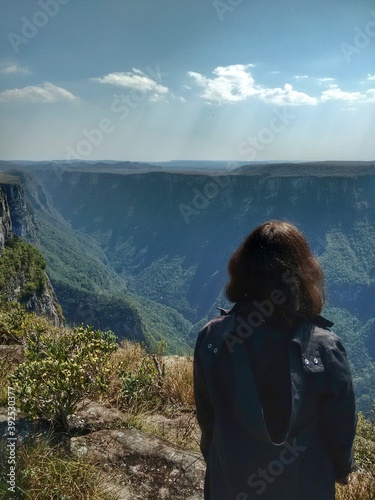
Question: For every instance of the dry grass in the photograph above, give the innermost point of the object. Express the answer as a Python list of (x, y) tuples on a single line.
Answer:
[(361, 487), (169, 378), (182, 429), (45, 472), (165, 407), (178, 381)]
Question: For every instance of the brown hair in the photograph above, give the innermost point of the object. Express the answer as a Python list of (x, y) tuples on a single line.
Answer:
[(276, 256)]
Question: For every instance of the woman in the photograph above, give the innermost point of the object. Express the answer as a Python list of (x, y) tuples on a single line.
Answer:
[(272, 383)]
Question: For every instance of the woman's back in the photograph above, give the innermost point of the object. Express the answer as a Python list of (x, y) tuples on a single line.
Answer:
[(272, 383), (274, 448), (268, 354)]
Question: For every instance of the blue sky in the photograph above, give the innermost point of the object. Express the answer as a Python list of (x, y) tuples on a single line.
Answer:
[(156, 80)]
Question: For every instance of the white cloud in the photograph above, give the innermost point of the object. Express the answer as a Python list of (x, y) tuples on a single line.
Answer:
[(336, 94), (370, 94), (230, 84), (286, 96), (48, 92), (371, 78), (135, 80), (235, 83), (13, 68), (326, 79), (155, 97)]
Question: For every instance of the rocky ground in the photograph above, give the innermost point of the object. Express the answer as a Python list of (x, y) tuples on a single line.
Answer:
[(137, 465)]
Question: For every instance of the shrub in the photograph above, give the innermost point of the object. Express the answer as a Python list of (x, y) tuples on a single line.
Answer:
[(60, 370), (140, 386), (16, 323)]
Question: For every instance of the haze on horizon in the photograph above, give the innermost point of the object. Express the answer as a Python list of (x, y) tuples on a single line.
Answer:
[(200, 79)]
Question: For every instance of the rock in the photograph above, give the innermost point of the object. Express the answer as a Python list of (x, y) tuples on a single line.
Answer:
[(181, 428), (24, 427), (146, 466), (23, 223), (46, 304), (93, 416), (136, 465), (13, 354), (5, 220)]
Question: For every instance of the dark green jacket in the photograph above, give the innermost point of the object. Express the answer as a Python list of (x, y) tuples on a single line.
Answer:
[(243, 460)]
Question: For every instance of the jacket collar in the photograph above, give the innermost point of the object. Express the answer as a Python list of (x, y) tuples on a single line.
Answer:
[(302, 331)]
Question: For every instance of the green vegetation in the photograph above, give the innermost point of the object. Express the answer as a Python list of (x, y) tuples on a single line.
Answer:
[(349, 256), (16, 323), (142, 382), (166, 281), (60, 370), (74, 259), (353, 334), (118, 247), (21, 270), (164, 323), (140, 387), (62, 366), (91, 293)]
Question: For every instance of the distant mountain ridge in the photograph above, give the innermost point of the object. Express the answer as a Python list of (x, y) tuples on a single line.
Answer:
[(274, 168)]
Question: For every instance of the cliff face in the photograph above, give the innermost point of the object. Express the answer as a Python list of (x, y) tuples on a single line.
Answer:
[(186, 226), (24, 278), (5, 221), (46, 304), (23, 224)]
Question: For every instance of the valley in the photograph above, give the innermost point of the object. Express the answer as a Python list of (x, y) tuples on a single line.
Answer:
[(144, 252)]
